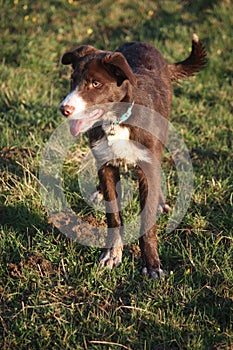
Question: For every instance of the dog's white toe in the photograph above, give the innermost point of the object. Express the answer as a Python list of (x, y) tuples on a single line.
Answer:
[(96, 197), (164, 208), (154, 273), (111, 257)]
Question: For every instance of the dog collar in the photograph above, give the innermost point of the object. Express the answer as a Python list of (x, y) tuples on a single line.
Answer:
[(118, 120), (124, 116)]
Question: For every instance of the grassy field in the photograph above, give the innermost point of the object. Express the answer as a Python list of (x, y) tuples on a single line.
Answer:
[(52, 294)]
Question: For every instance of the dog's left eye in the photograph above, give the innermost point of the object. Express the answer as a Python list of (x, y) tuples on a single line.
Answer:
[(96, 84)]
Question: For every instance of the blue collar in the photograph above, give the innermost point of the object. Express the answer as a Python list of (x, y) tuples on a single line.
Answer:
[(124, 116)]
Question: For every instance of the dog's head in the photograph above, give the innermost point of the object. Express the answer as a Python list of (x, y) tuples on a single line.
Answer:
[(98, 77)]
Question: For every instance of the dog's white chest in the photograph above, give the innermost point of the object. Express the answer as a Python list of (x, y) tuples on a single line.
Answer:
[(116, 147), (119, 135)]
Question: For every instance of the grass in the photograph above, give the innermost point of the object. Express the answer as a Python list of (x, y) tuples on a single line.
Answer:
[(52, 294)]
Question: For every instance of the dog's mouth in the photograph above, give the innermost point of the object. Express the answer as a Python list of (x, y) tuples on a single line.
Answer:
[(84, 124)]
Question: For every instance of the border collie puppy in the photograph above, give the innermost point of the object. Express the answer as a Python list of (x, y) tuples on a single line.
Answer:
[(136, 74)]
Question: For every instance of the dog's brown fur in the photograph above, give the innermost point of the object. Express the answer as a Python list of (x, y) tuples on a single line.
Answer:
[(134, 72)]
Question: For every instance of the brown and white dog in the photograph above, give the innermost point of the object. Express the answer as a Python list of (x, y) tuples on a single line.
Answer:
[(135, 73)]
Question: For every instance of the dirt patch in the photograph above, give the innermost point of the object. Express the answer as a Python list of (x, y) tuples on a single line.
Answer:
[(35, 262), (134, 249), (86, 231)]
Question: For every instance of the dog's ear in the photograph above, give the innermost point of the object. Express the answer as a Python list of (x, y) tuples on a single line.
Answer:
[(72, 56), (116, 63)]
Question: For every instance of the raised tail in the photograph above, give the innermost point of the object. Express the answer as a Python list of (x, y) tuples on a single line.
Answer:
[(193, 64)]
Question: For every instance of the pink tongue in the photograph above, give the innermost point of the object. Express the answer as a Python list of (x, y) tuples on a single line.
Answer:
[(79, 125), (75, 126)]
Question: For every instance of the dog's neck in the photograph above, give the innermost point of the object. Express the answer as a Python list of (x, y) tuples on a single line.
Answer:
[(125, 115), (110, 125)]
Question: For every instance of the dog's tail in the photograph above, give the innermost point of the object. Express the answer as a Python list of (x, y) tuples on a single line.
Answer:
[(193, 64)]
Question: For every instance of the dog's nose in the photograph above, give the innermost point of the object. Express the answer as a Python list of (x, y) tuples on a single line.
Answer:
[(66, 110)]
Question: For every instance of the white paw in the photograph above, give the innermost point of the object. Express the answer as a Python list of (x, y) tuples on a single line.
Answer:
[(96, 197), (111, 257), (164, 208), (154, 273)]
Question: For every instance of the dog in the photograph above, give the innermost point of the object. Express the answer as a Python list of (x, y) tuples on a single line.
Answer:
[(136, 74)]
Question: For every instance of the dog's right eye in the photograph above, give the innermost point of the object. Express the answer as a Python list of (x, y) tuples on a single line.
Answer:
[(96, 84)]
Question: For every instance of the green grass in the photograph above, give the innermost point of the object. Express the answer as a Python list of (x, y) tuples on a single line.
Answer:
[(52, 294)]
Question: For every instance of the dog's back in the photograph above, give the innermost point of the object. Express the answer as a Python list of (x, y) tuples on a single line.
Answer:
[(142, 56), (154, 88), (155, 75)]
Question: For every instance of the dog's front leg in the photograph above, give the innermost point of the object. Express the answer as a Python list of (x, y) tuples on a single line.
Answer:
[(149, 192), (110, 185)]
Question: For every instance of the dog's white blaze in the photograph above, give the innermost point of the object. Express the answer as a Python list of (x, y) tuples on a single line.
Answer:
[(74, 100)]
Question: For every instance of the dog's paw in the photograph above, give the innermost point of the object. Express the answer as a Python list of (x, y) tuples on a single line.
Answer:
[(96, 197), (164, 208), (111, 257), (154, 273)]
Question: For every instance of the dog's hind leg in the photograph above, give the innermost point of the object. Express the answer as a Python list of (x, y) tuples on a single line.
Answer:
[(149, 191), (110, 186), (163, 207)]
